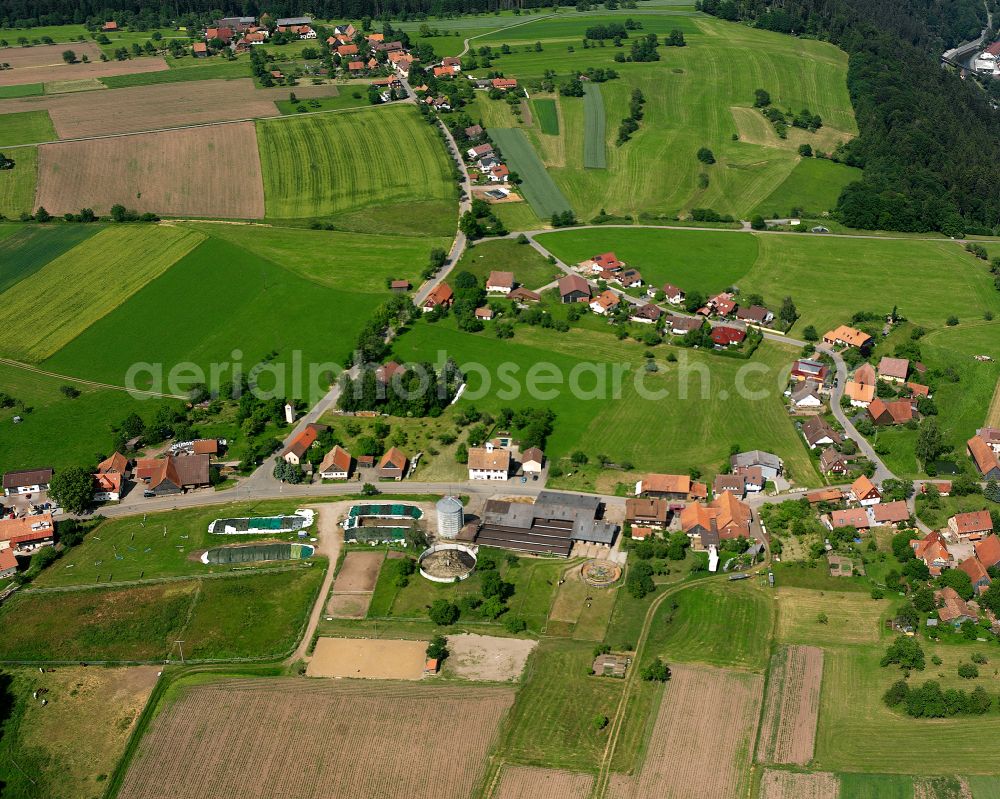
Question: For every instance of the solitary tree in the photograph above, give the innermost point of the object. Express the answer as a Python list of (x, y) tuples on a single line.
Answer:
[(73, 488), (69, 56)]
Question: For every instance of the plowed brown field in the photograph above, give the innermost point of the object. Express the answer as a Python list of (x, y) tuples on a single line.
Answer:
[(289, 737), (520, 782), (701, 742), (46, 69), (167, 105), (211, 172), (788, 734), (789, 785), (46, 55)]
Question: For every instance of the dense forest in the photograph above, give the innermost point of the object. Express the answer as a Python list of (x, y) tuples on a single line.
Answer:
[(32, 13), (929, 139)]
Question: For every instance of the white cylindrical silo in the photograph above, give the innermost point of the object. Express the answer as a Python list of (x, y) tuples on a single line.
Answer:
[(451, 517)]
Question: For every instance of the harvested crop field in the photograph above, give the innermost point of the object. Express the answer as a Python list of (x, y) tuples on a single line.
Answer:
[(788, 734), (701, 742), (791, 785), (141, 108), (519, 782), (79, 71), (487, 657), (359, 572), (366, 658), (220, 176), (46, 55), (348, 606), (260, 739)]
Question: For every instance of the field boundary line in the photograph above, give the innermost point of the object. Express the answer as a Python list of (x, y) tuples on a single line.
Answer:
[(176, 578), (993, 412), (28, 368)]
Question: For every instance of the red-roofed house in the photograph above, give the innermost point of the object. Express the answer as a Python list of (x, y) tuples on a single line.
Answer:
[(295, 452), (504, 83), (972, 525), (724, 336), (890, 514), (200, 49), (347, 49), (890, 413), (988, 551), (107, 486), (864, 492), (441, 295), (392, 466), (604, 302), (26, 534), (500, 282), (336, 464), (573, 288), (893, 369), (851, 517), (985, 458), (933, 552), (8, 563), (973, 568)]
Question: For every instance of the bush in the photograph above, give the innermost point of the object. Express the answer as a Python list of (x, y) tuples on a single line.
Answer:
[(906, 653), (437, 649), (968, 671), (443, 613), (657, 671), (514, 624)]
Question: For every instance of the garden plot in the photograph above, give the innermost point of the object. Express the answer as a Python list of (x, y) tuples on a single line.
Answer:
[(788, 734)]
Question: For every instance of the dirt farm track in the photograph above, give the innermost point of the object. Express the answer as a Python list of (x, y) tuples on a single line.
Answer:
[(293, 738), (220, 175), (168, 105)]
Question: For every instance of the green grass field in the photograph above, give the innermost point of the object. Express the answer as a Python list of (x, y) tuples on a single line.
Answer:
[(547, 115), (875, 786), (537, 187), (345, 99), (812, 187), (59, 431), (594, 128), (551, 723), (985, 787), (529, 266), (84, 284), (692, 427), (252, 616), (17, 185), (235, 308), (372, 258), (720, 624), (694, 260), (22, 90), (940, 279), (184, 70), (331, 164), (698, 95), (155, 545), (534, 583), (26, 127), (858, 732), (30, 248)]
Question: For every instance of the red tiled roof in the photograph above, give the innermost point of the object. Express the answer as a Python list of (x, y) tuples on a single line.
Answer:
[(988, 551), (978, 521)]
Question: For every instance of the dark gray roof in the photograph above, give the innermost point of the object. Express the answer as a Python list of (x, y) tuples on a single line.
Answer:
[(756, 457), (27, 477), (572, 516)]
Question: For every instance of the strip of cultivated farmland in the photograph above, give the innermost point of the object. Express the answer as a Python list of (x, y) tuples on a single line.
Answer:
[(594, 156), (537, 188)]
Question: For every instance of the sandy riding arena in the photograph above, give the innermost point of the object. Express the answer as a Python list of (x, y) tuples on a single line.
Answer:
[(220, 178), (368, 658), (788, 734), (519, 782), (352, 590), (486, 657), (707, 716), (312, 739), (359, 572), (789, 785)]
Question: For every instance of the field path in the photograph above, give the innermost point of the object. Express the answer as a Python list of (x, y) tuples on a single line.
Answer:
[(330, 543), (993, 414), (68, 379)]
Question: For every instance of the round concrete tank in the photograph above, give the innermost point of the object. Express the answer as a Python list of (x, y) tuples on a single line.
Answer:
[(451, 517)]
